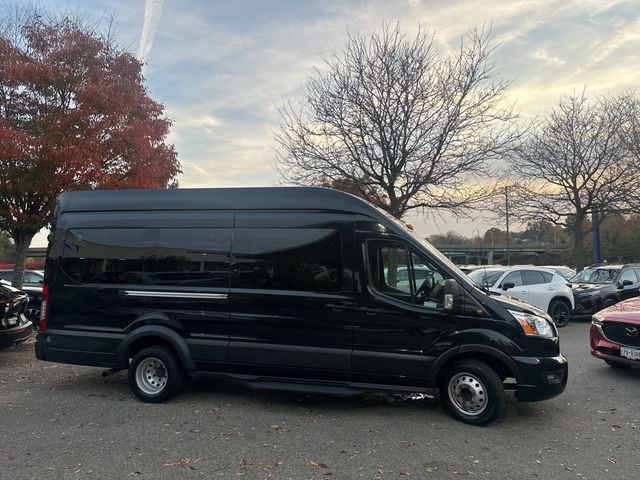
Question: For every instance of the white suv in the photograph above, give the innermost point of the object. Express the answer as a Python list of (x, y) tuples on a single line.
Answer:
[(540, 287)]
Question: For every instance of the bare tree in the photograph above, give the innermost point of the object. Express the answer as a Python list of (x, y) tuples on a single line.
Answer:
[(630, 103), (574, 162), (417, 128)]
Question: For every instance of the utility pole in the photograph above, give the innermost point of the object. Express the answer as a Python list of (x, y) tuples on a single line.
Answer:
[(506, 205), (595, 220)]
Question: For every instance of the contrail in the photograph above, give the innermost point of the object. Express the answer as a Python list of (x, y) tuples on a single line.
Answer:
[(152, 13)]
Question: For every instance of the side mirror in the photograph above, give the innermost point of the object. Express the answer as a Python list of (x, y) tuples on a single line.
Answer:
[(626, 283), (452, 294), (508, 285)]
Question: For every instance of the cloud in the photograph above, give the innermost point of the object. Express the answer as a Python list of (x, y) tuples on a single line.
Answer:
[(222, 67), (628, 34), (545, 56), (152, 14)]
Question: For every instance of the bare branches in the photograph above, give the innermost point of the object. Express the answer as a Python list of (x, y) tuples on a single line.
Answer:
[(577, 160), (394, 114)]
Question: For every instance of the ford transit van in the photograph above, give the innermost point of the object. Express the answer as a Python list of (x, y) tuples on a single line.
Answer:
[(304, 289)]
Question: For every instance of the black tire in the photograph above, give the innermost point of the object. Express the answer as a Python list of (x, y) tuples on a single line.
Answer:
[(608, 302), (33, 314), (155, 375), (472, 392), (616, 365), (560, 311)]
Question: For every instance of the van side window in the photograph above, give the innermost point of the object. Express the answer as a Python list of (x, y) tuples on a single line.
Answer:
[(197, 257), (302, 259), (404, 275)]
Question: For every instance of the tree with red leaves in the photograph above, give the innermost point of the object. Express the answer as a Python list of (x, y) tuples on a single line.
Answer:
[(74, 115)]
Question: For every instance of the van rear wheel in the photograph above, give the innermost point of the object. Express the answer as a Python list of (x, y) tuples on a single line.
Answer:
[(472, 392), (155, 375)]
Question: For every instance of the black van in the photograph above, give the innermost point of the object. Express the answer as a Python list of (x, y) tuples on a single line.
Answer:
[(304, 289)]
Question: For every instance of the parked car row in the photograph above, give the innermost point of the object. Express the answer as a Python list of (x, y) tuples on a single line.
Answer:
[(552, 289), (610, 294), (600, 286), (539, 287)]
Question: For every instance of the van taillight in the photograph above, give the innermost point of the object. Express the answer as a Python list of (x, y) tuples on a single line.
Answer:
[(44, 308)]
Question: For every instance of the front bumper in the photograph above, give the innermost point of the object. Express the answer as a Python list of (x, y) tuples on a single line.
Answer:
[(587, 306), (17, 334), (542, 377), (605, 349)]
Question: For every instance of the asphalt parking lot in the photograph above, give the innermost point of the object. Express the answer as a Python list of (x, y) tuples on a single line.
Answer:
[(66, 422)]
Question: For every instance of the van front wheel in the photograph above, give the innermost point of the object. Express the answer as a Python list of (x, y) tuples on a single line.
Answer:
[(472, 392), (155, 375)]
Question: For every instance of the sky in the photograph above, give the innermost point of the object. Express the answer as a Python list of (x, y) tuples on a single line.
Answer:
[(222, 67)]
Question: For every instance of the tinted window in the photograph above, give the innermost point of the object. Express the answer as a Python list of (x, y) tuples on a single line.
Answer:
[(628, 275), (389, 269), (513, 277), (304, 259), (179, 257), (31, 277), (548, 276), (6, 276), (531, 277)]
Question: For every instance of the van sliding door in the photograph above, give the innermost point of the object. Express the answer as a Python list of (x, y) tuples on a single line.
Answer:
[(291, 292)]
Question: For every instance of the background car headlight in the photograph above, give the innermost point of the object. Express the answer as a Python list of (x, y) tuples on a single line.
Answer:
[(593, 293), (596, 320), (533, 324)]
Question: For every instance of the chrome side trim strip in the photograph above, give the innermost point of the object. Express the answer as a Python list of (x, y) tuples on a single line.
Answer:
[(158, 294)]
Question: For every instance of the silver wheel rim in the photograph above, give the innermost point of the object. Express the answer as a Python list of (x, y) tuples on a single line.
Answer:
[(468, 394), (151, 376)]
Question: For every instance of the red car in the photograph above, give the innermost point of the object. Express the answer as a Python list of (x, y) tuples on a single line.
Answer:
[(615, 334)]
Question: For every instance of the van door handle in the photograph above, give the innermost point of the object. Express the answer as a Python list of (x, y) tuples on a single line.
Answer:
[(369, 310), (338, 307)]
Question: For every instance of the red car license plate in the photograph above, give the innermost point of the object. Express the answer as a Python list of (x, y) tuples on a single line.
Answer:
[(631, 353)]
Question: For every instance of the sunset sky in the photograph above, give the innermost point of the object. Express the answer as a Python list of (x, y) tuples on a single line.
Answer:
[(221, 67)]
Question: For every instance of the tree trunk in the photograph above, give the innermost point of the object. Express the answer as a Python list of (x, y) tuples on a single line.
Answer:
[(578, 243), (22, 239)]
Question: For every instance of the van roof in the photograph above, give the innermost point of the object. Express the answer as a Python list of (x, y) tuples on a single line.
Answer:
[(254, 198)]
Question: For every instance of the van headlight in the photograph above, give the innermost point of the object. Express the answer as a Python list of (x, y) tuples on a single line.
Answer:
[(533, 324)]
